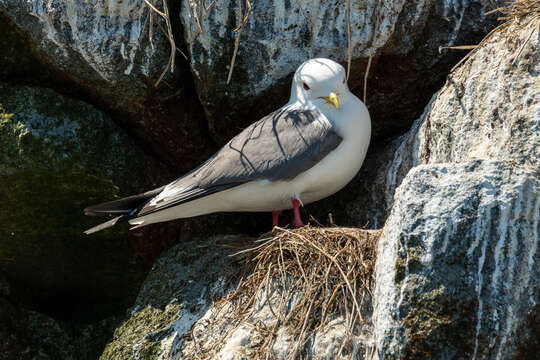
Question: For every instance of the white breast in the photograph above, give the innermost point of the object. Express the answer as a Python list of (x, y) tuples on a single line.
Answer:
[(328, 176)]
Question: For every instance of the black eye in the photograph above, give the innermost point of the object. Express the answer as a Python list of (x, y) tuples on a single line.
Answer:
[(306, 87)]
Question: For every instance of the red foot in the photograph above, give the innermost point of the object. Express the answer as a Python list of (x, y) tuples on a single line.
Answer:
[(275, 218), (296, 209)]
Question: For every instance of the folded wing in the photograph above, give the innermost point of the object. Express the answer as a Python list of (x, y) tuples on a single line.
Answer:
[(280, 146)]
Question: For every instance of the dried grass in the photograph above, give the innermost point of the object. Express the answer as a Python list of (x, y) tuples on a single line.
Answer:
[(349, 39), (515, 10), (307, 277), (524, 12), (164, 14), (242, 20)]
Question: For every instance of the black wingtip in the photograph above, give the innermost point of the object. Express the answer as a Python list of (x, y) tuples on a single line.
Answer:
[(97, 211), (105, 225), (121, 206)]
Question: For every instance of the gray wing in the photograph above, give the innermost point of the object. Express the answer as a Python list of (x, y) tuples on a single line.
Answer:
[(280, 146)]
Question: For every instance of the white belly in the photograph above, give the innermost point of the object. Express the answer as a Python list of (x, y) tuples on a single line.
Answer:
[(324, 179)]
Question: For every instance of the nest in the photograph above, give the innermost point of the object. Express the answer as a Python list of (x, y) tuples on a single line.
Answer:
[(307, 277)]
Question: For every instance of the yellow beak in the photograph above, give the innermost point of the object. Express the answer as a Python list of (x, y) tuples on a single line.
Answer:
[(332, 99)]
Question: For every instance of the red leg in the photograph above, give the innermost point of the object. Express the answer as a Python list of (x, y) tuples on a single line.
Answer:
[(275, 218), (296, 209)]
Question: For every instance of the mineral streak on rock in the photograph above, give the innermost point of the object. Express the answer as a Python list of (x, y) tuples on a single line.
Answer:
[(279, 35), (102, 48), (489, 108), (458, 262), (100, 51)]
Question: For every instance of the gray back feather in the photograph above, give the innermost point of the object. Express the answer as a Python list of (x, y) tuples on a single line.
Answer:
[(280, 146)]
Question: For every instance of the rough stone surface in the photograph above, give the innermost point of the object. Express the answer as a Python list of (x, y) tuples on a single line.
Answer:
[(181, 313), (218, 335), (58, 156), (458, 263), (403, 37), (101, 53), (457, 275), (489, 108), (16, 60), (26, 335), (493, 95), (175, 294), (99, 47)]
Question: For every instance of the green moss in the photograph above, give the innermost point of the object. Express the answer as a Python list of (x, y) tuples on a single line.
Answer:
[(40, 129), (59, 156), (411, 261), (140, 336), (440, 324), (438, 312)]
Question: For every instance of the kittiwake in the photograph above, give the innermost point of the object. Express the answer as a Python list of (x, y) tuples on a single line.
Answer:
[(303, 152)]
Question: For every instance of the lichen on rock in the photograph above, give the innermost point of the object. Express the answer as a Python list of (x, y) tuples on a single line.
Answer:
[(198, 302), (58, 156), (176, 293), (457, 263)]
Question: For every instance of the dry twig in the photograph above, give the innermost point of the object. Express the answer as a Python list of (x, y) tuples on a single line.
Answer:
[(168, 32), (349, 40), (242, 22), (314, 274), (366, 77), (514, 11)]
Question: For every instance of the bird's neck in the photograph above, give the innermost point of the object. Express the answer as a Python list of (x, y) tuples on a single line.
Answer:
[(352, 120)]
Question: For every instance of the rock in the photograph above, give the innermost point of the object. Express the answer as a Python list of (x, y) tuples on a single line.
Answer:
[(58, 156), (279, 35), (493, 96), (458, 264), (218, 335), (183, 311), (102, 48), (176, 293), (28, 335), (17, 63), (488, 109), (101, 54)]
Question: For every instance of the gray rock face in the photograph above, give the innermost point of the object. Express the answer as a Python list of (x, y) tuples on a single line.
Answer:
[(184, 312), (489, 108), (100, 47), (493, 95), (458, 273), (176, 293), (458, 264), (58, 156), (279, 35), (101, 53)]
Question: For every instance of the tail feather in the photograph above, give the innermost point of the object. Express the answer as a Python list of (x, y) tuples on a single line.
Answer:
[(105, 225), (122, 206), (127, 208)]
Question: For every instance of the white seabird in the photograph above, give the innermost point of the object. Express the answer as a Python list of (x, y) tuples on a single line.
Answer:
[(303, 152)]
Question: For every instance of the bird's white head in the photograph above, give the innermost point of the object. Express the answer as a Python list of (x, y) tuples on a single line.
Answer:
[(319, 82), (322, 84)]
